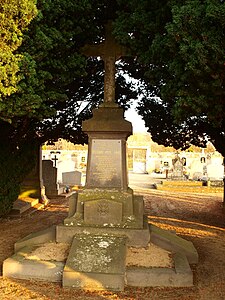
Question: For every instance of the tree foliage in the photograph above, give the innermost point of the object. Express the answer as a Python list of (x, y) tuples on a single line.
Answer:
[(58, 86), (181, 59), (16, 161), (56, 79), (175, 48), (15, 17)]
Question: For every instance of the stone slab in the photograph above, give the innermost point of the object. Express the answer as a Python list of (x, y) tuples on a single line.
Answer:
[(17, 266), (136, 237), (96, 261), (173, 243), (40, 237), (71, 178), (138, 205), (72, 203), (179, 276), (49, 176), (23, 204)]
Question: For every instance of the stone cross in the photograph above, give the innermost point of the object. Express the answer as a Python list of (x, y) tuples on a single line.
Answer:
[(110, 52), (55, 160), (55, 157)]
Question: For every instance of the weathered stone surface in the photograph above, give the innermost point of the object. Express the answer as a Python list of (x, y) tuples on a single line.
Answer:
[(110, 52), (93, 256), (115, 202), (119, 202), (93, 281), (105, 164), (135, 237), (101, 211), (107, 133), (43, 236), (179, 276), (49, 174), (108, 120), (72, 204), (171, 242), (17, 266), (71, 178)]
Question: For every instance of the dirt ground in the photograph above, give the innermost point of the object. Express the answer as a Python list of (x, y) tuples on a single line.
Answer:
[(196, 217)]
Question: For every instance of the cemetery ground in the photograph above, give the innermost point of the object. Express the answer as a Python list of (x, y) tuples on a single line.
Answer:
[(198, 217)]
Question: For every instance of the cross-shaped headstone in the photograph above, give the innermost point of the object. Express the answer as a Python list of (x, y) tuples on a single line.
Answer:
[(55, 160), (110, 52), (55, 157)]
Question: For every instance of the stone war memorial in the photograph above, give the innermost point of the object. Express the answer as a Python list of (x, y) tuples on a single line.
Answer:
[(106, 219)]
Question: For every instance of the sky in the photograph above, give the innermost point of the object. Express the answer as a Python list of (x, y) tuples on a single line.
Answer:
[(137, 122)]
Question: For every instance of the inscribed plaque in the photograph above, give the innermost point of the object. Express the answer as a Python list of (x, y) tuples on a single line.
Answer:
[(105, 163), (103, 211)]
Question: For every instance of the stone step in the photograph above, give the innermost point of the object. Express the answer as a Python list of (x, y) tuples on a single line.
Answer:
[(26, 213), (189, 189), (33, 209), (23, 204), (96, 262), (185, 183)]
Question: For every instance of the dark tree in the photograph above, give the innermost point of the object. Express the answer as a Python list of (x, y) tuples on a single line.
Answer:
[(58, 85), (180, 59), (175, 50)]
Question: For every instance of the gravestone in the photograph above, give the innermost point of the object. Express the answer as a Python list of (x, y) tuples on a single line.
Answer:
[(215, 171), (197, 176), (196, 170), (106, 177), (49, 174), (65, 164), (178, 168), (71, 178), (106, 201)]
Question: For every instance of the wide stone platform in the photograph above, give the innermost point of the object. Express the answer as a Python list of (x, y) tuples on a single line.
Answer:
[(98, 261)]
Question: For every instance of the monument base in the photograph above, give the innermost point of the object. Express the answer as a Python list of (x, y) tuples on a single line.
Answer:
[(106, 208), (98, 261), (135, 237), (105, 222)]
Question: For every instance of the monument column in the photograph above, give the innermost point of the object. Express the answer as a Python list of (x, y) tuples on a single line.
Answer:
[(107, 163), (107, 201)]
